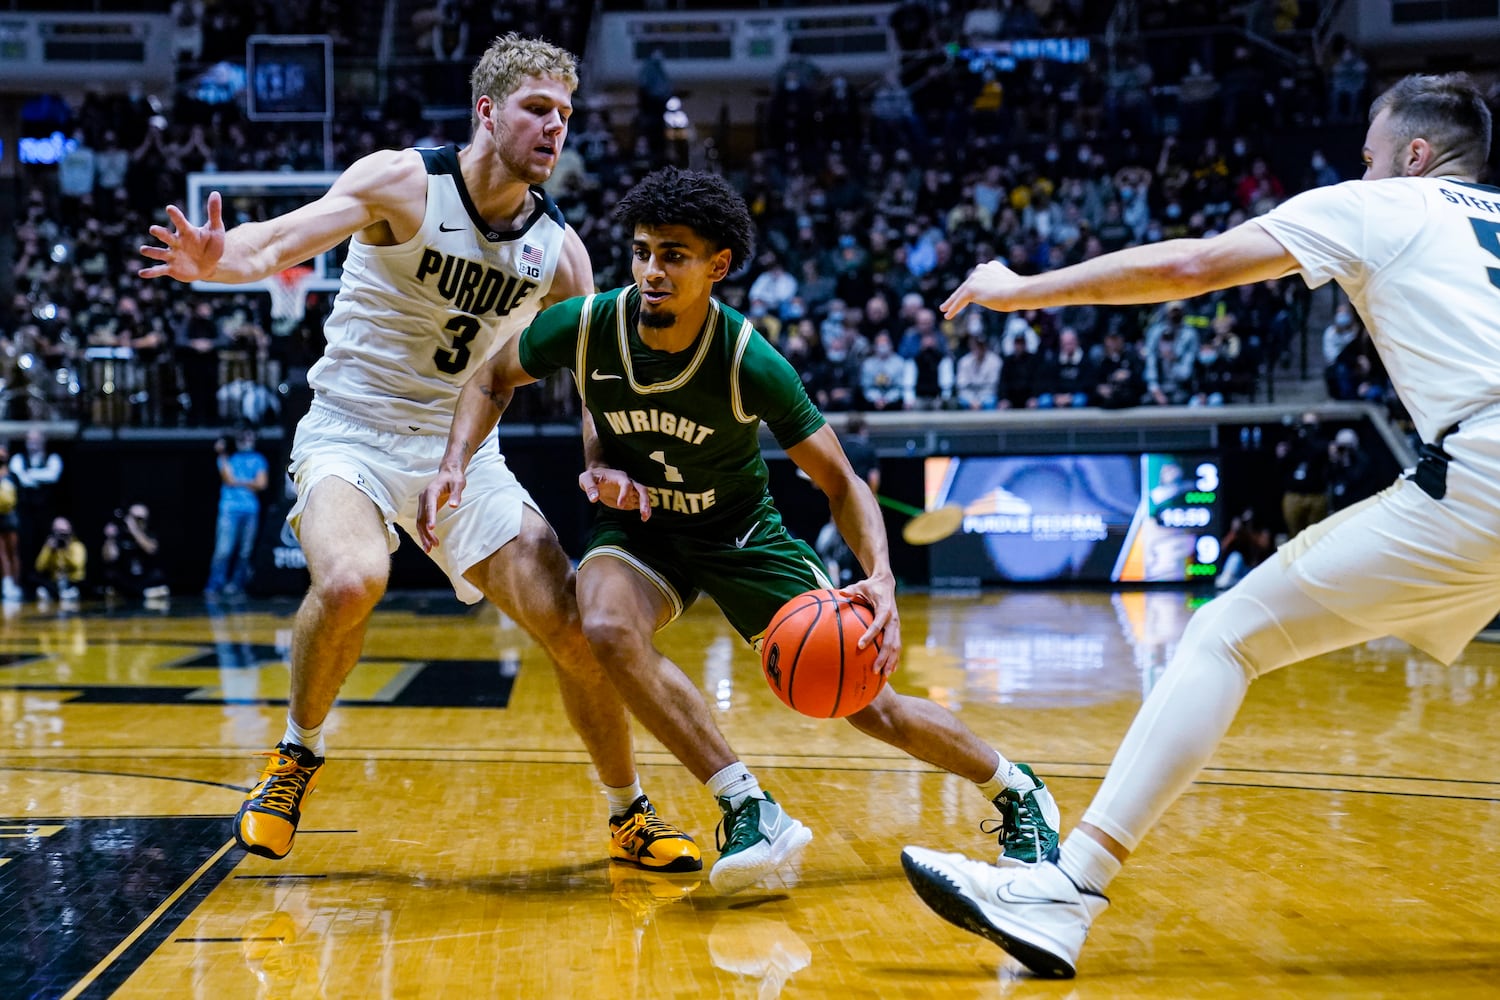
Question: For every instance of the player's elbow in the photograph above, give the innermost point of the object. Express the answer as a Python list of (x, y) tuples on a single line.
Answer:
[(1187, 267)]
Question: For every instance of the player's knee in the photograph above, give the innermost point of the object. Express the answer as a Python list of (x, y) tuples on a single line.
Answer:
[(883, 718), (351, 592), (1231, 632), (614, 640)]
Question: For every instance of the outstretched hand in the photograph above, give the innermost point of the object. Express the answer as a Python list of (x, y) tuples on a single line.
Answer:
[(880, 594), (614, 488), (188, 252), (991, 284), (447, 485)]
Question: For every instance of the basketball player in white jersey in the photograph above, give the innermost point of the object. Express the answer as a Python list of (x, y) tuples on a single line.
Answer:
[(451, 253), (1416, 247)]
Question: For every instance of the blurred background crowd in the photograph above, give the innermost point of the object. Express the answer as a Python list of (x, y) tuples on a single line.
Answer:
[(872, 203)]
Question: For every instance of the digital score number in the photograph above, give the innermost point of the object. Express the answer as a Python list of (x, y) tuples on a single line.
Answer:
[(1195, 510)]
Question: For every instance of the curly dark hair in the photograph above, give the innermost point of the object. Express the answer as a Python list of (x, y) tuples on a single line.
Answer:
[(703, 202)]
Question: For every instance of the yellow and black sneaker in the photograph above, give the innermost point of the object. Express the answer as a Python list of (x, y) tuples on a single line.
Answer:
[(267, 820), (643, 839)]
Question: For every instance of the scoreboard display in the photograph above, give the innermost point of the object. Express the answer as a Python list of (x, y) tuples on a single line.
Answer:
[(1140, 518), (289, 77)]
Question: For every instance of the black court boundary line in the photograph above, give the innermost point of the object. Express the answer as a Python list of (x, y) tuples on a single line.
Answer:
[(866, 770), (131, 774), (113, 976), (400, 753)]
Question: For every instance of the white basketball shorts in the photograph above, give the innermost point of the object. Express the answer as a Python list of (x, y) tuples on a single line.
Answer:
[(392, 468), (1402, 563)]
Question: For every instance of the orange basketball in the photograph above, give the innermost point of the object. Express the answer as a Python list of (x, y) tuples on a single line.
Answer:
[(811, 656)]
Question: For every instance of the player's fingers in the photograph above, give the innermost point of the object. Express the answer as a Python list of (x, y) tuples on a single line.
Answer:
[(877, 626), (890, 656), (955, 303), (457, 492), (425, 503), (215, 210), (643, 501), (164, 234), (157, 271), (155, 253), (589, 483), (178, 219)]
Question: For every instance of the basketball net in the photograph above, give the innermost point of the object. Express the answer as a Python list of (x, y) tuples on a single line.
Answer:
[(289, 298)]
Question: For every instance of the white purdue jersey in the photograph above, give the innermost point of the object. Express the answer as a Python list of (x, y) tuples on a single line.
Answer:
[(1419, 258), (412, 322)]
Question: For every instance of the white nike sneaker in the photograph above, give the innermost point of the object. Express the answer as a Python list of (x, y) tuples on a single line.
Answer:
[(758, 839), (1035, 912)]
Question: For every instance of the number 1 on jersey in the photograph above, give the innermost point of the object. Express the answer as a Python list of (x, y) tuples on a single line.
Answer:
[(673, 476)]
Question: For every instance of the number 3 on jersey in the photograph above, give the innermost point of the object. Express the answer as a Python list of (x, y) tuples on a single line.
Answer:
[(1488, 234), (452, 360)]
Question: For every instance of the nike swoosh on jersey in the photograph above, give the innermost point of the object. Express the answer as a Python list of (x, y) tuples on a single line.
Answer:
[(444, 229), (599, 376), (739, 543)]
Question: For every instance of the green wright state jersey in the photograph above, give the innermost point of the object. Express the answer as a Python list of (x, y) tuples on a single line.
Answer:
[(686, 425)]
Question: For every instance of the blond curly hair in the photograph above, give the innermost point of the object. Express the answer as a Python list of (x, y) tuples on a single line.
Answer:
[(512, 58)]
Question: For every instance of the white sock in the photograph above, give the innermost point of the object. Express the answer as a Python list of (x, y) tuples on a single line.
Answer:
[(1007, 775), (1087, 863), (736, 784), (311, 738), (621, 798)]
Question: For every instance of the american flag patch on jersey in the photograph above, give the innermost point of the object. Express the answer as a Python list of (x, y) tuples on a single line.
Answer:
[(532, 255)]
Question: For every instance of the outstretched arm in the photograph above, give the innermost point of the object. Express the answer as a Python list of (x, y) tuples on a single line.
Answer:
[(1156, 272), (386, 187), (857, 516)]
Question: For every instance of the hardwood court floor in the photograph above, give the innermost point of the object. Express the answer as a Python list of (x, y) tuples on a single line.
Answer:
[(1341, 844)]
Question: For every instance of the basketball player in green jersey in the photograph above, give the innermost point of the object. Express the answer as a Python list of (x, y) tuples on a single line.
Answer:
[(675, 386), (450, 254)]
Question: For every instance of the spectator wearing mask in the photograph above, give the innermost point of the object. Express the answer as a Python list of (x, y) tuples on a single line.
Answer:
[(1339, 370), (882, 376), (1169, 376), (774, 287), (1172, 324), (839, 381)]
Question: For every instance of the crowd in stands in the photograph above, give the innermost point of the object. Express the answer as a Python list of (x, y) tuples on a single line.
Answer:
[(872, 203)]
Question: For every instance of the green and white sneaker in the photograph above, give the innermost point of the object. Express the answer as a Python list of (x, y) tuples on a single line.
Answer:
[(755, 840), (1028, 823)]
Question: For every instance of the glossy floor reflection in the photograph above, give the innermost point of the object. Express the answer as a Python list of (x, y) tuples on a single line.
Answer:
[(1338, 845)]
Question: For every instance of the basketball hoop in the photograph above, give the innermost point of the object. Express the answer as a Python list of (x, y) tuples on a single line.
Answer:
[(289, 298)]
